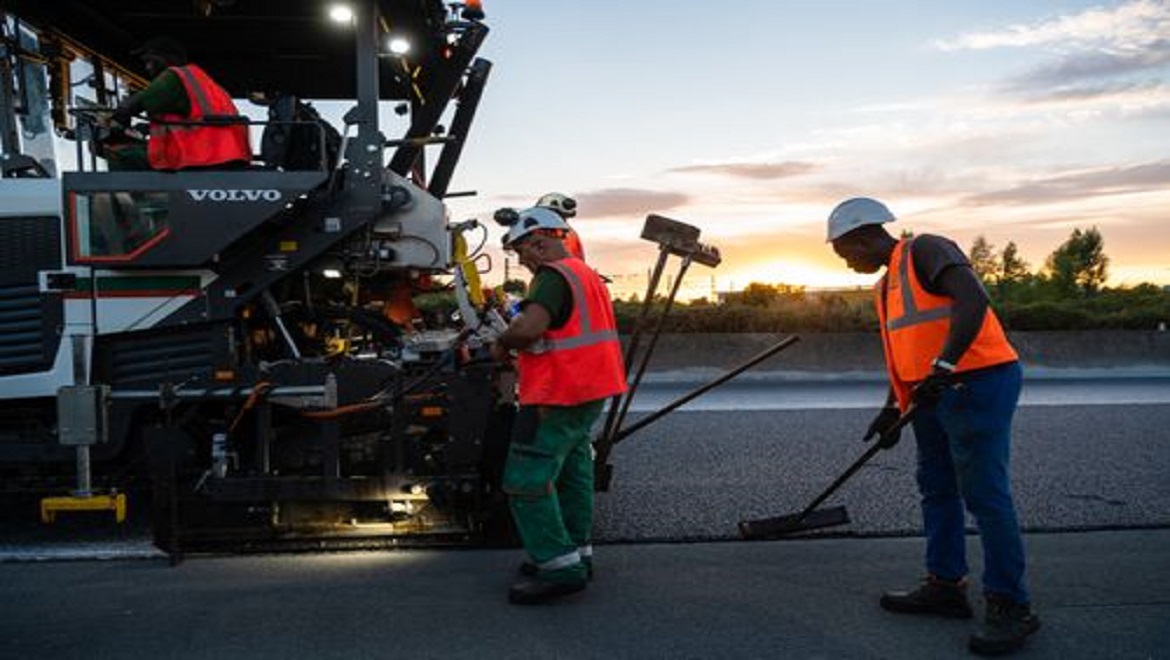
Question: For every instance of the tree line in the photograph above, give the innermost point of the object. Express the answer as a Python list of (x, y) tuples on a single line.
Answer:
[(1067, 292)]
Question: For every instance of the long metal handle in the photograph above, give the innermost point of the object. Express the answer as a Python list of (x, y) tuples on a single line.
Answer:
[(653, 343), (615, 402), (869, 453), (703, 389)]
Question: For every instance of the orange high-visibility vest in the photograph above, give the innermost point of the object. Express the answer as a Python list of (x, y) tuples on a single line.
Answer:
[(581, 361), (174, 146), (915, 323), (573, 245)]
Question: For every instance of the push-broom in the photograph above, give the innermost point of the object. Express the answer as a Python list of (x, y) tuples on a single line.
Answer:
[(812, 518)]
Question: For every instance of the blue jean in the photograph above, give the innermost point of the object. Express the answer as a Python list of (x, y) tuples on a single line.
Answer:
[(964, 446)]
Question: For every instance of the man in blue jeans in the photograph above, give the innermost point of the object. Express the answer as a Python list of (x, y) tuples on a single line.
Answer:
[(952, 368)]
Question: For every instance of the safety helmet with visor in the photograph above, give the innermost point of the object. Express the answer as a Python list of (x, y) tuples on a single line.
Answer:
[(562, 204), (854, 213), (530, 221)]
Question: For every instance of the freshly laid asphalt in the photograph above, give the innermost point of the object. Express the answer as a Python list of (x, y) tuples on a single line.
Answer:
[(1092, 485)]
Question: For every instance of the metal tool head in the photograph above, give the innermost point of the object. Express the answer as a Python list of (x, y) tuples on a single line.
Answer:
[(708, 255), (670, 233), (772, 528), (680, 239)]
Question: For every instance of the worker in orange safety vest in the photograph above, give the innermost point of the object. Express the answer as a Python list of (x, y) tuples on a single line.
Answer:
[(193, 121), (569, 363), (953, 370)]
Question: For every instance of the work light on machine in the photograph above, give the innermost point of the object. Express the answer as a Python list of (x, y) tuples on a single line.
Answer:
[(398, 45), (341, 14)]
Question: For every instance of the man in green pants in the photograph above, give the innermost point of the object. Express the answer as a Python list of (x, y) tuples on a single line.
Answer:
[(569, 362)]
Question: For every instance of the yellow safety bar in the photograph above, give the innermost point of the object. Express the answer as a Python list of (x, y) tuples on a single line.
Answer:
[(114, 502)]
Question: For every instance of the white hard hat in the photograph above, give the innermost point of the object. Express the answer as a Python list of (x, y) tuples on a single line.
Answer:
[(534, 219), (563, 204), (854, 213)]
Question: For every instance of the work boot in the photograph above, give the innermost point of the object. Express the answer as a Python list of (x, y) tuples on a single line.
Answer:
[(936, 596), (529, 569), (1005, 626), (538, 591)]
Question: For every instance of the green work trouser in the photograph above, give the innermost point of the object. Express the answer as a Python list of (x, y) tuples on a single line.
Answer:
[(549, 482)]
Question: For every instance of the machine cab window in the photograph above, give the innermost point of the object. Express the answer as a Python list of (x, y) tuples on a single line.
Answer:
[(114, 226)]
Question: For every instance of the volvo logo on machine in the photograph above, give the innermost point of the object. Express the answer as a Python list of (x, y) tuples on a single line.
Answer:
[(235, 195)]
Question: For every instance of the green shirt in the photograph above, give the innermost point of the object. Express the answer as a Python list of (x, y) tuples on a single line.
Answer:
[(550, 290), (165, 95)]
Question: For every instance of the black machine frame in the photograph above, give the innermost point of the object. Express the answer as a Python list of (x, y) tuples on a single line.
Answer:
[(186, 396)]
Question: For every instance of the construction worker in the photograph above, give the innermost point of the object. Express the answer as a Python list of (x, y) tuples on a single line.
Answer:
[(566, 207), (179, 97), (948, 357), (569, 362)]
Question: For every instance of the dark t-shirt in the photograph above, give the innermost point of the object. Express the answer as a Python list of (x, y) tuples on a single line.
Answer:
[(166, 95), (932, 255), (550, 290)]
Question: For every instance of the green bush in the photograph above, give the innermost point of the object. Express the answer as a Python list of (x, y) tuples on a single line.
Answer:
[(1046, 315), (1030, 306)]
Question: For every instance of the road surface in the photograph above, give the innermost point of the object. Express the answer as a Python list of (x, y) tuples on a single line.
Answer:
[(1091, 477)]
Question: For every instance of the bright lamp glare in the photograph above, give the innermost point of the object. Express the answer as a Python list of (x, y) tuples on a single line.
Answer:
[(341, 13), (399, 46), (331, 273)]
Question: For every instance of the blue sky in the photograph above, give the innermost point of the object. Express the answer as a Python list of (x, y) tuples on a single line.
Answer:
[(1019, 121)]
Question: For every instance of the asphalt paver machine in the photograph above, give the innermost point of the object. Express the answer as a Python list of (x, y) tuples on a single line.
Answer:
[(239, 346)]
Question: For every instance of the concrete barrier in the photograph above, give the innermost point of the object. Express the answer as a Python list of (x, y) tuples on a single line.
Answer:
[(862, 352)]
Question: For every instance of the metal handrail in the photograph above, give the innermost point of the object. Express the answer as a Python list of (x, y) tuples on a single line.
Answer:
[(225, 120)]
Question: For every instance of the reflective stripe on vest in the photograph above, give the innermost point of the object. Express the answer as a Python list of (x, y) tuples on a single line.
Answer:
[(910, 312), (915, 334), (581, 361), (177, 143), (589, 335), (197, 96)]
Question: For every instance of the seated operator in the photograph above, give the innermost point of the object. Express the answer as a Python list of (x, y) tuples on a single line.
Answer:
[(179, 99)]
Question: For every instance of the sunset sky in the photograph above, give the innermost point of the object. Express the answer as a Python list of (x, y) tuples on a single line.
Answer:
[(751, 119)]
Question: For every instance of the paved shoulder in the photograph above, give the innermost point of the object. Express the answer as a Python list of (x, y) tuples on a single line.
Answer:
[(1100, 595)]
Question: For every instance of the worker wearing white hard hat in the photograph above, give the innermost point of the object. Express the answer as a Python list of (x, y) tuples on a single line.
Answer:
[(954, 373), (566, 207), (569, 362)]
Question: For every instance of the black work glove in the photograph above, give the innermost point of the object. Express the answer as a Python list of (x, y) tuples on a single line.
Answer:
[(122, 118), (880, 428), (931, 389)]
